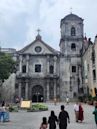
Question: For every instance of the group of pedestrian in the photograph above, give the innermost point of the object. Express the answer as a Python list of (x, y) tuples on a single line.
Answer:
[(79, 112), (61, 120)]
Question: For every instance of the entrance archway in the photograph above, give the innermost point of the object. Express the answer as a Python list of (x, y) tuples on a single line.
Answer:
[(37, 94)]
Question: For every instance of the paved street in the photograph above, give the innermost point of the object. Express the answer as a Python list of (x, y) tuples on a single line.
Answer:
[(32, 120)]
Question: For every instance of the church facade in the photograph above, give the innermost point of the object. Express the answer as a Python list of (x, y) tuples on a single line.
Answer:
[(44, 73)]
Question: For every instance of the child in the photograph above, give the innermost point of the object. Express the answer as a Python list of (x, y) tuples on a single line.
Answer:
[(95, 114), (44, 123)]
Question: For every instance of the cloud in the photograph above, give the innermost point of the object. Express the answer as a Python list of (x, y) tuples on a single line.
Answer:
[(19, 20), (14, 18)]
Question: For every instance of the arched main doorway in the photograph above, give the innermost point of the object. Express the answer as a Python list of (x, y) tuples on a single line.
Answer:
[(37, 94)]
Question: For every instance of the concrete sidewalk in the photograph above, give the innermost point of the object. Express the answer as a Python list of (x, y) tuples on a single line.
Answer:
[(32, 120)]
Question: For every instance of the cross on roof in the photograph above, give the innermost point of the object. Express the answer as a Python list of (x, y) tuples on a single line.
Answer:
[(38, 30), (71, 10)]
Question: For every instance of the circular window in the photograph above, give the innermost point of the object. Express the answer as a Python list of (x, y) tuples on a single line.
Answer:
[(38, 49)]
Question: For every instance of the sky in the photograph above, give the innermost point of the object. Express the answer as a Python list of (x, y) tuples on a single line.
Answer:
[(20, 19)]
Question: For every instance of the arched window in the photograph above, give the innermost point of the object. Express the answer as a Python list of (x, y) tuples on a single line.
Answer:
[(93, 56), (24, 69), (73, 31), (73, 46), (73, 69), (74, 94), (94, 74), (51, 69)]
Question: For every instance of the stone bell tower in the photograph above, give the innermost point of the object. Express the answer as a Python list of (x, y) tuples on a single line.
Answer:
[(70, 46)]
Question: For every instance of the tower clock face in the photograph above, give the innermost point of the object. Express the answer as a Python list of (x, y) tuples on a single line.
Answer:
[(38, 49)]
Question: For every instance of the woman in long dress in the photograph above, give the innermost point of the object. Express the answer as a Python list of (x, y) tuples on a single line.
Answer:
[(81, 115), (52, 120)]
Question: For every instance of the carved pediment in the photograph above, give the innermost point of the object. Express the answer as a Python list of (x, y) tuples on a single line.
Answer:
[(38, 47)]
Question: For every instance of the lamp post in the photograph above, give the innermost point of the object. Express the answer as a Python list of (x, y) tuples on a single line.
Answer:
[(78, 79), (37, 94)]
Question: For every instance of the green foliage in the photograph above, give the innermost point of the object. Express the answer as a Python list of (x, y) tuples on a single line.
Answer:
[(90, 98), (38, 107), (13, 108), (7, 65), (80, 98), (95, 98)]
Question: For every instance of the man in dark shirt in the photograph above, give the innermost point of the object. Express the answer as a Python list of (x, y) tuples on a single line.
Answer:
[(63, 118)]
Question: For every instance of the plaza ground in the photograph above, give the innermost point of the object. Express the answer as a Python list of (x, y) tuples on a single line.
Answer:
[(32, 120)]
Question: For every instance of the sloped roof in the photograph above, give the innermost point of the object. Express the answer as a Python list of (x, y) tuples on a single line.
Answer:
[(38, 38)]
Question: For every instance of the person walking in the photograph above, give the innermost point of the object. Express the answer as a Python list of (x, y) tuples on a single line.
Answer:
[(2, 113), (67, 100), (95, 114), (52, 120), (3, 103), (44, 124), (76, 110), (63, 118), (55, 101), (81, 116)]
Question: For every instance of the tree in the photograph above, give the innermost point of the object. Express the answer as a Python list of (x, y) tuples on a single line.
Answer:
[(7, 65)]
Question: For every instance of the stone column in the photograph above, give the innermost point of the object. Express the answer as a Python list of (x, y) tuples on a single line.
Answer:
[(55, 90), (20, 65), (26, 91), (20, 86), (47, 64), (47, 90), (55, 65), (27, 63)]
